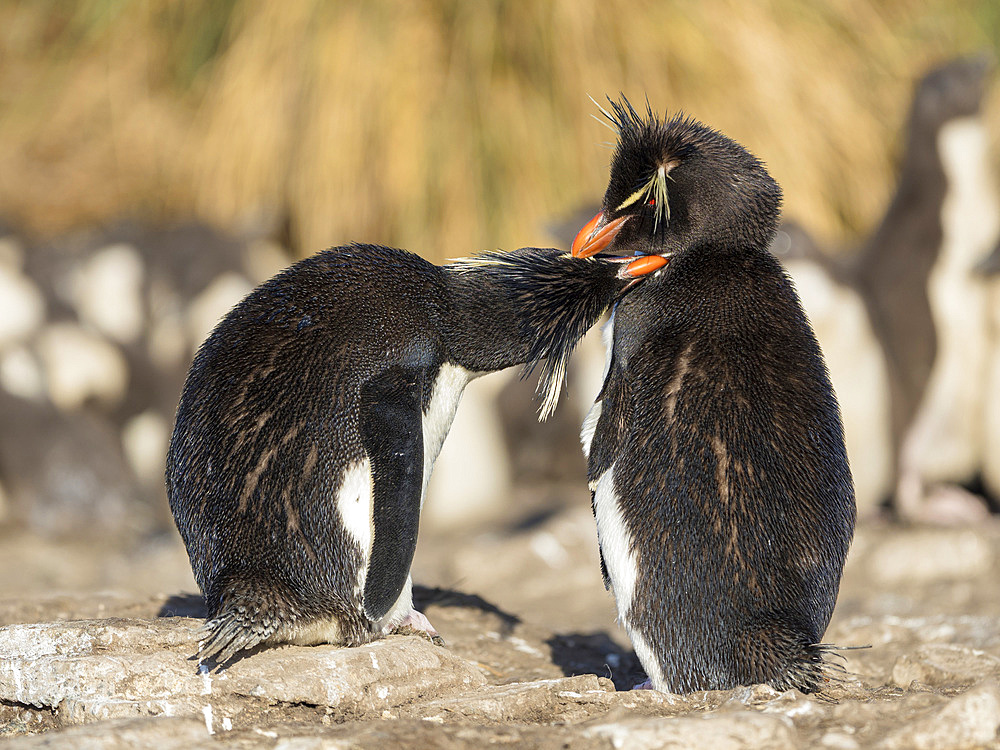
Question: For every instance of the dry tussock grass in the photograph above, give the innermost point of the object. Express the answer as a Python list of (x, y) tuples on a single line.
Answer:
[(443, 126)]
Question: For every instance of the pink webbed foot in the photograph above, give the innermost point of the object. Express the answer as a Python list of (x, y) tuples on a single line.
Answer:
[(416, 623)]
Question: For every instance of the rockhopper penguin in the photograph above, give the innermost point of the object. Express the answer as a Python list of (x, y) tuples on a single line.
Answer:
[(313, 413), (928, 307), (720, 483)]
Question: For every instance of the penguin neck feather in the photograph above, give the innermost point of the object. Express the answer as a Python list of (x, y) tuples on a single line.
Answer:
[(532, 306)]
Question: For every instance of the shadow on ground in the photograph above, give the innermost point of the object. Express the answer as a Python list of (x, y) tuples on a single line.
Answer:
[(596, 653), (183, 605)]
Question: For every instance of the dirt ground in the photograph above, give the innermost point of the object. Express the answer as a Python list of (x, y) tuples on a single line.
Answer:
[(524, 613)]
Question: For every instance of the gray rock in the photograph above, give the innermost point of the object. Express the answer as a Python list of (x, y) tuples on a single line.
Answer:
[(355, 681), (940, 664), (723, 731), (802, 710), (94, 670), (970, 720), (174, 733), (524, 702), (891, 638)]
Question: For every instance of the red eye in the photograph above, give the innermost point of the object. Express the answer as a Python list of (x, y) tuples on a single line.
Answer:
[(652, 202)]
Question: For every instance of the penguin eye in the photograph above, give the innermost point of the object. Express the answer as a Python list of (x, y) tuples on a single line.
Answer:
[(651, 202)]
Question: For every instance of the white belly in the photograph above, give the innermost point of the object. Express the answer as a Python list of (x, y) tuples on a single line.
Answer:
[(440, 413), (618, 549), (945, 442)]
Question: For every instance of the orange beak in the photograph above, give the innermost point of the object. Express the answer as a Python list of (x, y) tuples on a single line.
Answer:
[(643, 265), (595, 236)]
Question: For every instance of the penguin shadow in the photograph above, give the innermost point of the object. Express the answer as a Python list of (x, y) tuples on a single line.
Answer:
[(596, 653), (193, 605), (574, 653), (426, 596), (183, 605)]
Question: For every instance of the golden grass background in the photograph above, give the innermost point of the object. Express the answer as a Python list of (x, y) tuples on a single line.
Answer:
[(443, 126)]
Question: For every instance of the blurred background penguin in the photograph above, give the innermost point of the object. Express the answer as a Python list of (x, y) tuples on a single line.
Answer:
[(160, 159)]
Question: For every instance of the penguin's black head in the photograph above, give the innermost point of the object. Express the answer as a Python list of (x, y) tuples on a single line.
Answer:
[(953, 90), (678, 185)]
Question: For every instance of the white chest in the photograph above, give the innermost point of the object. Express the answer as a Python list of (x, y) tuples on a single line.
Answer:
[(944, 443), (970, 215), (594, 415), (440, 412)]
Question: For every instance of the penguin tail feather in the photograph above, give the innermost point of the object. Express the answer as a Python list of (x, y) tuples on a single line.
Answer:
[(821, 671), (249, 615), (225, 639), (784, 658), (817, 668), (807, 670)]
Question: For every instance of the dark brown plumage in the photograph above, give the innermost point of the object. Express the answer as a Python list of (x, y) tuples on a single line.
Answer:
[(313, 413), (721, 488)]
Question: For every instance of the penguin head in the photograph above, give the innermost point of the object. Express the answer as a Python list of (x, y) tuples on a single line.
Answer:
[(950, 91), (677, 185)]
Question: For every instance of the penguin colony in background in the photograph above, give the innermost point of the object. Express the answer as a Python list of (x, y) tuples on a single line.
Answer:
[(905, 321), (719, 477), (313, 413), (928, 308), (97, 329)]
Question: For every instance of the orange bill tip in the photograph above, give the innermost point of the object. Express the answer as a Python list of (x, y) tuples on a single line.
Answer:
[(593, 237), (645, 264), (584, 234)]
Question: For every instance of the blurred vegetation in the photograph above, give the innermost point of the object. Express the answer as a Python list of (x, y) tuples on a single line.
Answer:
[(443, 126)]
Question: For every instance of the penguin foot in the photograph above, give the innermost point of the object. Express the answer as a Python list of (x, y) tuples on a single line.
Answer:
[(647, 685), (416, 623)]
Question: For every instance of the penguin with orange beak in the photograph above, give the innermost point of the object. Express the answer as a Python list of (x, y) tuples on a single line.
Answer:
[(314, 412), (719, 478)]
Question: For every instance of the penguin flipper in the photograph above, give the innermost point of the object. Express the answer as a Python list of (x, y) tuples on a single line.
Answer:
[(392, 436)]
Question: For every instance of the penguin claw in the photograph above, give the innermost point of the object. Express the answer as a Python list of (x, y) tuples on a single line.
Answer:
[(647, 685)]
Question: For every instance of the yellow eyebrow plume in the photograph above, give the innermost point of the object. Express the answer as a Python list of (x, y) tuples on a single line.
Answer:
[(655, 189)]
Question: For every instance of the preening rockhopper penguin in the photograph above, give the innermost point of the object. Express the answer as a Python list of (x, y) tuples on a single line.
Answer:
[(313, 413), (716, 460)]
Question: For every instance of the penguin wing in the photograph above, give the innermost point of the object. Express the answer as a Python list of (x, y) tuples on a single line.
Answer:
[(392, 436)]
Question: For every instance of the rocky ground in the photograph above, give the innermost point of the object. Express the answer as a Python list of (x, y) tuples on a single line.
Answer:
[(96, 649)]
